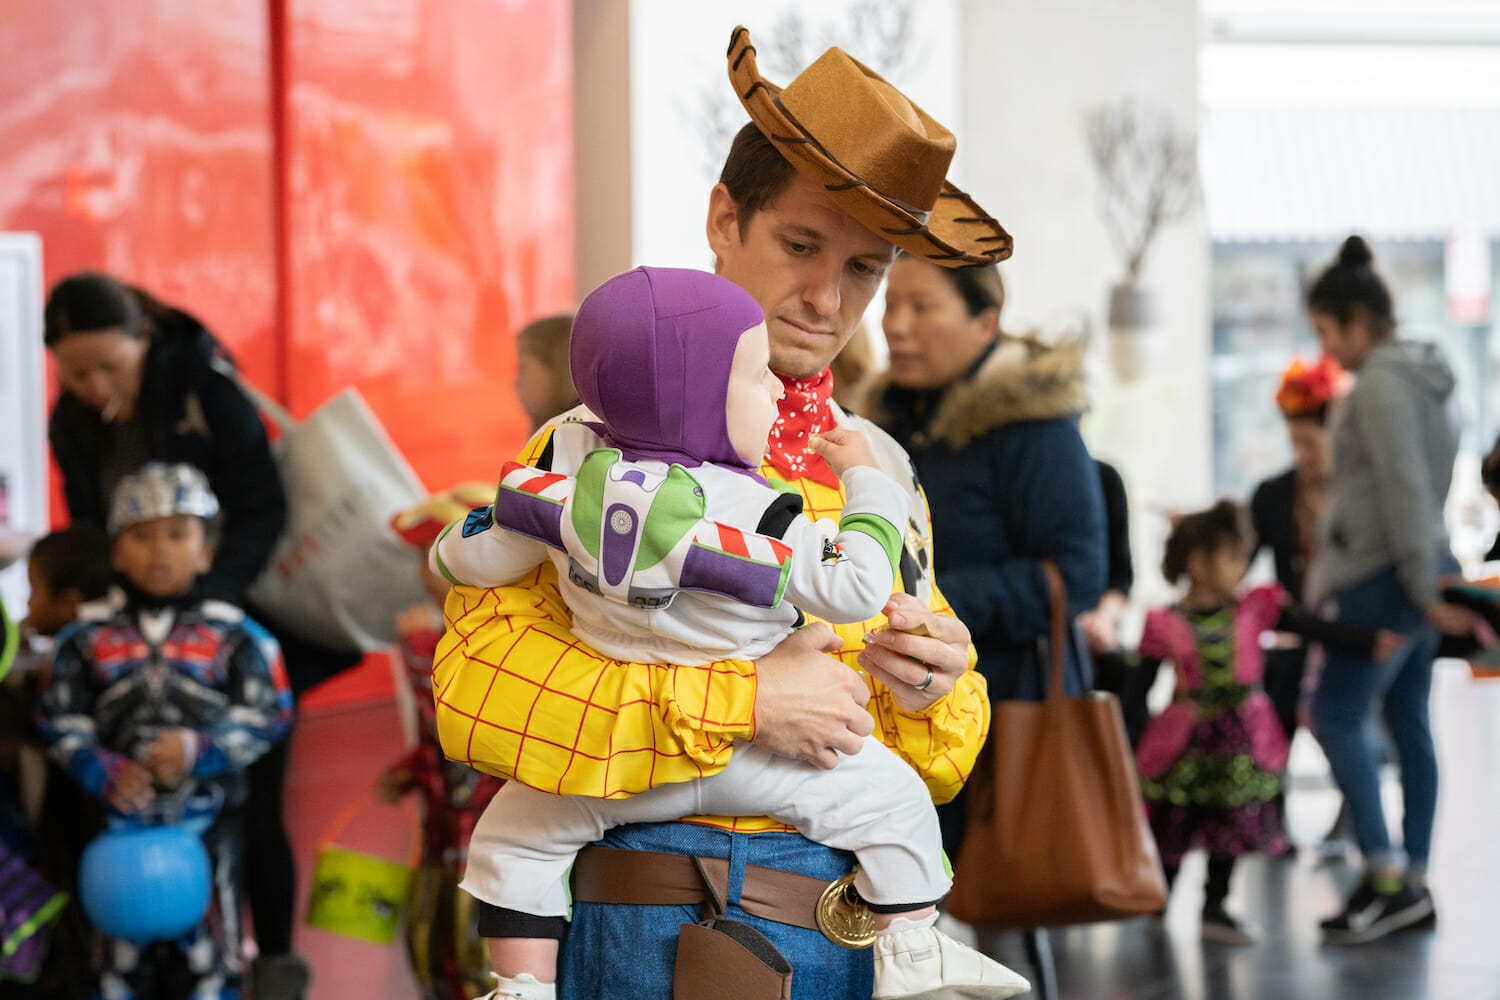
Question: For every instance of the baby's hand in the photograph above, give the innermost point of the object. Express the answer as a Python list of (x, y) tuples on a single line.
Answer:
[(130, 789), (843, 448)]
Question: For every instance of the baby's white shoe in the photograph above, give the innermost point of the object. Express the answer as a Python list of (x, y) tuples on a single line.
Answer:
[(523, 987), (916, 961)]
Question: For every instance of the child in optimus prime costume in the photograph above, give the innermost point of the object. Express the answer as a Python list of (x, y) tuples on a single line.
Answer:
[(157, 700), (671, 548)]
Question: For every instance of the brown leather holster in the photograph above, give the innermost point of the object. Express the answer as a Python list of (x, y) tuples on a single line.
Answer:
[(717, 957)]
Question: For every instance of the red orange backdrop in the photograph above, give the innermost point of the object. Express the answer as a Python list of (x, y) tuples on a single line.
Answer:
[(375, 194)]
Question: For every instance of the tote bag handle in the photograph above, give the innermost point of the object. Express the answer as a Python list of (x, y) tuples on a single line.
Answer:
[(278, 414)]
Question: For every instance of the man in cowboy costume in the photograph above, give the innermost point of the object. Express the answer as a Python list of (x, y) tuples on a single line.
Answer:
[(833, 174)]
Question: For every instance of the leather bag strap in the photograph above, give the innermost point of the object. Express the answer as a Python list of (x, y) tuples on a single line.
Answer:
[(1057, 595)]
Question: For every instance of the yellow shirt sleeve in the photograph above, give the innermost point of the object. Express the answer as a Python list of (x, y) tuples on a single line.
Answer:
[(518, 696)]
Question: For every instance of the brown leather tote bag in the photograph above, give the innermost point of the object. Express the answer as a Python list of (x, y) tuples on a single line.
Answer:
[(1056, 830)]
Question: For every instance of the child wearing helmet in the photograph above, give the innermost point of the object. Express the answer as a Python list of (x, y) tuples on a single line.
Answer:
[(671, 548), (156, 701)]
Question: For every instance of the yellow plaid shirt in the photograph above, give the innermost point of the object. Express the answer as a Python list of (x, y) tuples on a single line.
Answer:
[(518, 696)]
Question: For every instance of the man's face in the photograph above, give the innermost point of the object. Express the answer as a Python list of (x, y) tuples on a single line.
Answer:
[(809, 265)]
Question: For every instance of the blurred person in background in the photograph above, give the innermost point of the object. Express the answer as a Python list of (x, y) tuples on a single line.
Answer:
[(991, 424), (1490, 472), (852, 369), (1284, 512), (145, 381), (1211, 762), (543, 382), (442, 938), (156, 701), (64, 569), (1381, 551), (1114, 670)]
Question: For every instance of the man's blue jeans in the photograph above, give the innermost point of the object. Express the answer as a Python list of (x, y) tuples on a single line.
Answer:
[(616, 952), (1343, 717)]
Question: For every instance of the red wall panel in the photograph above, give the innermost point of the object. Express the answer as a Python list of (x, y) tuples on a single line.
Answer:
[(429, 212), (427, 171), (133, 137)]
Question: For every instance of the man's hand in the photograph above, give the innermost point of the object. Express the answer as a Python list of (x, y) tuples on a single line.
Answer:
[(807, 704), (916, 641), (166, 757), (130, 791), (842, 448)]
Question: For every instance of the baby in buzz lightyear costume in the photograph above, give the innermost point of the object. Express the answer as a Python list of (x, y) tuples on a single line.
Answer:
[(671, 548)]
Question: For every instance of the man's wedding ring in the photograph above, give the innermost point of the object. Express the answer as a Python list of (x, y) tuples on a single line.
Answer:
[(926, 683)]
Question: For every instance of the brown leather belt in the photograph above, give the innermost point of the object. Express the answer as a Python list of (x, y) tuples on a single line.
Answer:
[(611, 875)]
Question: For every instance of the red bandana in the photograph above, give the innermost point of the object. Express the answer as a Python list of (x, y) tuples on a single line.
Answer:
[(804, 411)]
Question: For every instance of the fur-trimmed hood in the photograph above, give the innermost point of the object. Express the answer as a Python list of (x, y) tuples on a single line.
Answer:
[(1022, 378)]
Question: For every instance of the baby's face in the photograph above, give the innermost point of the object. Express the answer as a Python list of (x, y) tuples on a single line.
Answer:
[(751, 396)]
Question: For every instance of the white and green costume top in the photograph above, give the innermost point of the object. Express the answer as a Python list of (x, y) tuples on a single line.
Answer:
[(662, 563)]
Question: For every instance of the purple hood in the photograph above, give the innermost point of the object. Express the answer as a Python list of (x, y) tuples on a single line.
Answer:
[(651, 352)]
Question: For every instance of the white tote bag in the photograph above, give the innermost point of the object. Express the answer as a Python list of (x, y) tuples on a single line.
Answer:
[(338, 575)]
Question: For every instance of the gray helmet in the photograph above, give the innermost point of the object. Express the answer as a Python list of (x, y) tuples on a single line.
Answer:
[(161, 489)]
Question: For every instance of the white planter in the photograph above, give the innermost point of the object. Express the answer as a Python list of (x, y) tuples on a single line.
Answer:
[(1132, 330)]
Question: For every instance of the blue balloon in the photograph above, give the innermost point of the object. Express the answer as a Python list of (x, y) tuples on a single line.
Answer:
[(145, 884)]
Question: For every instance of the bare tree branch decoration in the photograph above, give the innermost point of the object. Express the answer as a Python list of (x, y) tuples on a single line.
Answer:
[(878, 33), (1147, 174)]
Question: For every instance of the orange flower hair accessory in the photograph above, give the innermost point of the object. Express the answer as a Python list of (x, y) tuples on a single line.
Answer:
[(1305, 389), (420, 526)]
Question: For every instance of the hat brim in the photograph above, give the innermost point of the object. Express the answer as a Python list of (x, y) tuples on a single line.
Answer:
[(957, 233)]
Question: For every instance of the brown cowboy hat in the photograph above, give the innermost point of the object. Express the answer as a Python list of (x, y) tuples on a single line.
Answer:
[(881, 158)]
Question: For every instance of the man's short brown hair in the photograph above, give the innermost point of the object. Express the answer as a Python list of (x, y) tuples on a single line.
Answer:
[(755, 173)]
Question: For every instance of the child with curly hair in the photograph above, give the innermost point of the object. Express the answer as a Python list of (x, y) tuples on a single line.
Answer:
[(1211, 763)]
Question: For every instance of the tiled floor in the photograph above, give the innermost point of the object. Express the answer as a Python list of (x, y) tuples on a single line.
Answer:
[(1460, 960)]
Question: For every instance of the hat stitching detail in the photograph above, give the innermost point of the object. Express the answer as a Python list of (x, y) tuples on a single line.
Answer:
[(735, 37)]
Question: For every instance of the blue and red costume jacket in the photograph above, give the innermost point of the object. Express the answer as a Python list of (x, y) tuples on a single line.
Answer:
[(128, 671)]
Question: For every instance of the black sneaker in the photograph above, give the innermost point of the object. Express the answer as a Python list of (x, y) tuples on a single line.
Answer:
[(1219, 926), (1428, 922), (1371, 915)]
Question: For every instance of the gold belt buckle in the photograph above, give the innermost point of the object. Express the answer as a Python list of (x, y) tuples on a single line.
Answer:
[(843, 917)]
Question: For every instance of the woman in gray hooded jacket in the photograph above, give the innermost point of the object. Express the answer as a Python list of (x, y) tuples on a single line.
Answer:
[(1382, 547)]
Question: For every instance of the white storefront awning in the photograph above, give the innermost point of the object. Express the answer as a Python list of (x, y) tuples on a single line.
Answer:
[(1320, 173)]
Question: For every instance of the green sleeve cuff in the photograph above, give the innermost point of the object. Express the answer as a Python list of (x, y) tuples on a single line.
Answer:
[(437, 557), (884, 532)]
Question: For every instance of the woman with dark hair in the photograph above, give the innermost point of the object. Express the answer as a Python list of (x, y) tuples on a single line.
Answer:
[(1284, 514), (139, 384), (143, 381), (991, 423), (1382, 547)]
